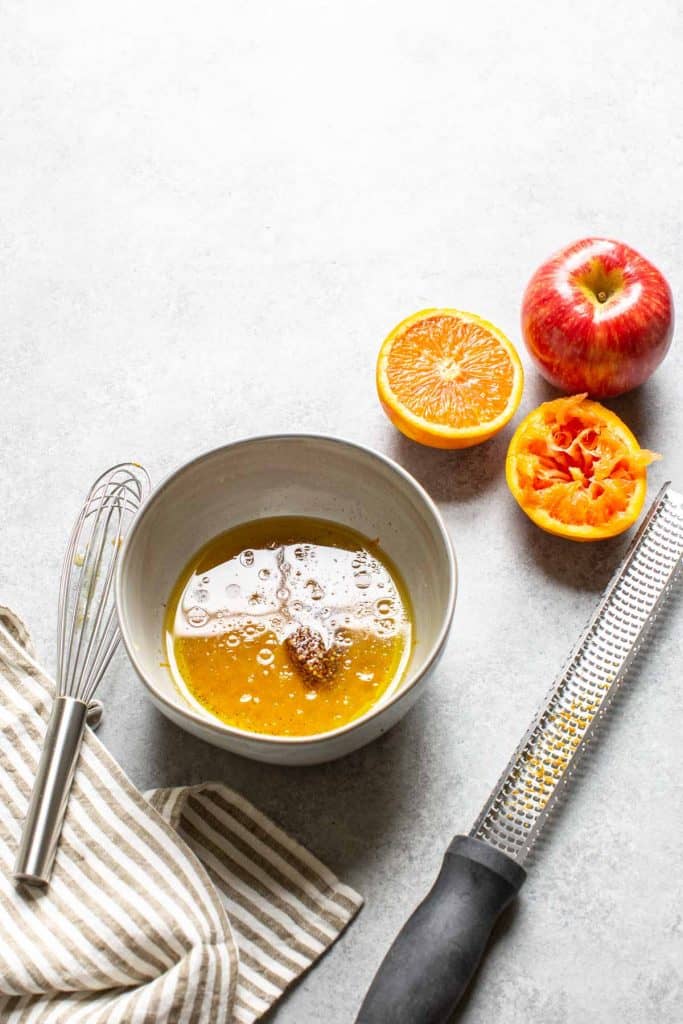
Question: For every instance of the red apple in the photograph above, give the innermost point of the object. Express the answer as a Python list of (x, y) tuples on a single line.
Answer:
[(597, 317)]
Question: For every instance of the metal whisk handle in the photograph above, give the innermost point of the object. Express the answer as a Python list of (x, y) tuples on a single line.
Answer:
[(50, 795), (87, 635)]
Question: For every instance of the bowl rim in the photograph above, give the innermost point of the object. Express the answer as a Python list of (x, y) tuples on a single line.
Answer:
[(259, 738)]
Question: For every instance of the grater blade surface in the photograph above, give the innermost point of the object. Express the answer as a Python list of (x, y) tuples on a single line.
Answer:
[(545, 760)]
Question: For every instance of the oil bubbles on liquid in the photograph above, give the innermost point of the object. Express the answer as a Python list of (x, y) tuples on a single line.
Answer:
[(363, 580), (384, 626), (343, 638), (236, 618), (290, 580), (316, 592), (197, 617)]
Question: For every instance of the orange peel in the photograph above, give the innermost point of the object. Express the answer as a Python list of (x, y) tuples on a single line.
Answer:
[(448, 379), (576, 469)]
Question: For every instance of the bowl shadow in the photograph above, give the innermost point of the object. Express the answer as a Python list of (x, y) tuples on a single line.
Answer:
[(345, 812)]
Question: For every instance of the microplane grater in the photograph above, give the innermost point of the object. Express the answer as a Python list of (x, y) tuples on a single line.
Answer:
[(548, 754), (430, 964)]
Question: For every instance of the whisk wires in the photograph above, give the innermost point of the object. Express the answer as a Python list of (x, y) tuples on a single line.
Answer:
[(87, 625)]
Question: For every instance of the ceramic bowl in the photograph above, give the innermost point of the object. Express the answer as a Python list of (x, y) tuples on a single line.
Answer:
[(291, 474)]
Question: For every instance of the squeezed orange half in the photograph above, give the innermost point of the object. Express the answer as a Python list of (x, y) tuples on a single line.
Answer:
[(576, 469)]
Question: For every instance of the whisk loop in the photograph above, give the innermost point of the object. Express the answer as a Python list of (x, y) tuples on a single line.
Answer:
[(88, 635), (88, 630)]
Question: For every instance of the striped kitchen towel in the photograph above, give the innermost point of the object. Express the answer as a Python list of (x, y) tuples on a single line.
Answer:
[(185, 906)]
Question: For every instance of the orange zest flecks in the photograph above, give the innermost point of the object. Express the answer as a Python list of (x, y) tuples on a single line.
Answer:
[(577, 470)]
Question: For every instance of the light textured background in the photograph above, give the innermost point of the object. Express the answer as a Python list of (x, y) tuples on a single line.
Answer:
[(210, 216)]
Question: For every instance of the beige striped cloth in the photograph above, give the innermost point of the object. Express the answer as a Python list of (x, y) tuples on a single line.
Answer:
[(185, 905)]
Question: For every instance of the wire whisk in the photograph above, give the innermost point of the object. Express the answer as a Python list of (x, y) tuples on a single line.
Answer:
[(88, 636)]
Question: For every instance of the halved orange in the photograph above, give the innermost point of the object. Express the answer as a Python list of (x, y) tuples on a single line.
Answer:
[(448, 379), (577, 470)]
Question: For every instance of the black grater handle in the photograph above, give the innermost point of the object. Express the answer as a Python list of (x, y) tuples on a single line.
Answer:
[(425, 973)]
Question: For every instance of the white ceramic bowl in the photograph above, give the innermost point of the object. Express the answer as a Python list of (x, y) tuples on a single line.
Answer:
[(291, 474)]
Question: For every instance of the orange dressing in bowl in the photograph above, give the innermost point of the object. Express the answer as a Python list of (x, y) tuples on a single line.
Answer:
[(244, 599)]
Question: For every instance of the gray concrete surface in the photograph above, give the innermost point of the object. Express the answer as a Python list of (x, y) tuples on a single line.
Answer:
[(210, 215)]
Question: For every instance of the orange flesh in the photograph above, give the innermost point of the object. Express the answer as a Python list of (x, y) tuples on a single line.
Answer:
[(251, 588), (576, 461), (450, 372)]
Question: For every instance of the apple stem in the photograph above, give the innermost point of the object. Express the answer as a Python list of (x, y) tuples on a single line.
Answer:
[(602, 296)]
